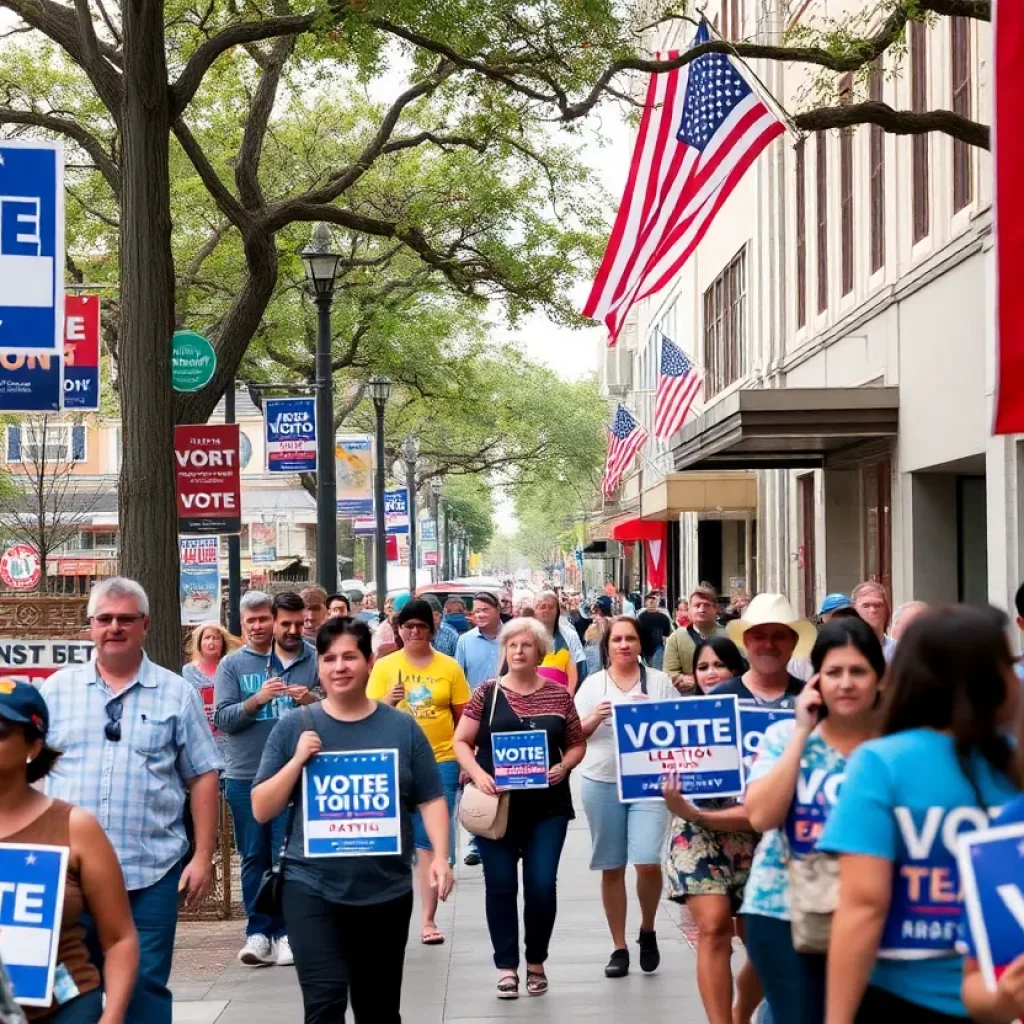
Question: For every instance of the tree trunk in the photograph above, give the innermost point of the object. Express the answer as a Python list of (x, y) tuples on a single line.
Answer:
[(147, 511)]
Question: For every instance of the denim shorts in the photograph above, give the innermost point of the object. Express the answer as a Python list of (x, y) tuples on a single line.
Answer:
[(450, 777), (622, 834)]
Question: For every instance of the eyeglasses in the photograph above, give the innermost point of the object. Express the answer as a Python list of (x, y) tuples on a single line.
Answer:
[(112, 620), (112, 730), (415, 627)]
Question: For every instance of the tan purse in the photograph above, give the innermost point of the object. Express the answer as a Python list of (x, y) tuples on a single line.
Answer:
[(480, 813), (813, 898)]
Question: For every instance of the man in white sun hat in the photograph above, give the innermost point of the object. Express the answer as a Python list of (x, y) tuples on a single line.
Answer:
[(770, 634)]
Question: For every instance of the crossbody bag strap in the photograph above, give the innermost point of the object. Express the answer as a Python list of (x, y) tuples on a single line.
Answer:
[(310, 723), (643, 678)]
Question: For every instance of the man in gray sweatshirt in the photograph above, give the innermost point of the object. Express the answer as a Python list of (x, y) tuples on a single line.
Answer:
[(272, 674)]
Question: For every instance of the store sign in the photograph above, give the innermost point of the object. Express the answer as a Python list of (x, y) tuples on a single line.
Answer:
[(263, 543), (207, 479), (199, 579), (396, 514), (353, 461), (290, 435), (20, 568), (33, 661)]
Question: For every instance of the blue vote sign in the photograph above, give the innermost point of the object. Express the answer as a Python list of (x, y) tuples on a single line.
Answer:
[(32, 246), (290, 435), (754, 722), (520, 759), (31, 906), (351, 804), (992, 872), (697, 738)]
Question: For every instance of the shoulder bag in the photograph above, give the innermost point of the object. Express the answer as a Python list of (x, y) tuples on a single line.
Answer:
[(480, 813), (813, 898)]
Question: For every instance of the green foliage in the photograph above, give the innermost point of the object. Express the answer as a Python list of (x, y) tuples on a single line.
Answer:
[(468, 503)]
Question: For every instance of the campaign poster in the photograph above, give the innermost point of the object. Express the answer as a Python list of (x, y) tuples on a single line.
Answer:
[(817, 791), (520, 759), (263, 543), (199, 580), (991, 865), (34, 661), (697, 738), (31, 907), (351, 804), (396, 514), (290, 434), (754, 722), (207, 479), (353, 462)]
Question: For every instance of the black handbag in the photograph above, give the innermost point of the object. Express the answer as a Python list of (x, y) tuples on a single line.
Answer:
[(269, 899)]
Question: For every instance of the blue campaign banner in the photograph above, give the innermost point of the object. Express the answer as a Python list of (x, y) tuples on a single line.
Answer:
[(32, 246), (754, 722), (992, 872), (290, 435), (396, 514), (520, 759), (697, 738), (31, 906), (351, 804)]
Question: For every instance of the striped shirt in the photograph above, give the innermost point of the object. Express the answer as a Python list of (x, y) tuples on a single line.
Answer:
[(136, 786)]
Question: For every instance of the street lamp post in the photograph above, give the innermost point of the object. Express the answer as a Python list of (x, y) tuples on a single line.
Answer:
[(410, 452), (436, 486), (321, 266), (380, 389)]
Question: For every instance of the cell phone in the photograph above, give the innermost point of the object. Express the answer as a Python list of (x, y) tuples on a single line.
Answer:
[(822, 707)]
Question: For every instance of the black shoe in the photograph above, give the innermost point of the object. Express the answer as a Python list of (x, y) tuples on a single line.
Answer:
[(618, 965), (471, 859), (650, 957)]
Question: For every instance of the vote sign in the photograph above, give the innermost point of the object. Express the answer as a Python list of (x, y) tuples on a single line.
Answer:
[(991, 865), (697, 738), (817, 790), (520, 759), (207, 478), (31, 906), (291, 435), (351, 804), (754, 722)]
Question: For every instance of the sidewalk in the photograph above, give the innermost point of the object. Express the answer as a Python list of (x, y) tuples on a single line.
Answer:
[(455, 982)]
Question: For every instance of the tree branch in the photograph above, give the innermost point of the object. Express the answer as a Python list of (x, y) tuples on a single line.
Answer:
[(228, 204), (443, 141), (895, 122)]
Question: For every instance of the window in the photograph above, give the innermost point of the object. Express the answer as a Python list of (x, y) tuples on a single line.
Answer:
[(919, 150), (877, 170), (801, 234), (90, 540), (960, 58), (45, 442), (821, 159), (725, 326), (876, 520), (846, 191)]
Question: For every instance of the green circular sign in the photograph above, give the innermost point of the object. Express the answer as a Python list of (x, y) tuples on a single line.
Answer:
[(193, 361)]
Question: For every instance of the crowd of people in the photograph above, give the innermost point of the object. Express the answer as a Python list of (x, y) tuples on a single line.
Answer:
[(836, 868)]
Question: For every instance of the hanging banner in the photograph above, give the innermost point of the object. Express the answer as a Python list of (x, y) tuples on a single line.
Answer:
[(396, 514), (207, 479), (199, 582), (290, 434), (353, 460), (34, 661), (428, 533), (263, 543)]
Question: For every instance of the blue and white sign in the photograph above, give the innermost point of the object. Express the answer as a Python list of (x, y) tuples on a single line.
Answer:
[(754, 722), (31, 906), (351, 804), (32, 246), (696, 738), (290, 435), (520, 759), (396, 514), (992, 872)]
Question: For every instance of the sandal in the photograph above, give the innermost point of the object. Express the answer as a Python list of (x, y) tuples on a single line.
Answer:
[(431, 937), (508, 987), (536, 983)]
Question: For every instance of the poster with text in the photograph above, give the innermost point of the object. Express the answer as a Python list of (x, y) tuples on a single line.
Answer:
[(290, 435), (353, 461), (208, 478), (199, 581)]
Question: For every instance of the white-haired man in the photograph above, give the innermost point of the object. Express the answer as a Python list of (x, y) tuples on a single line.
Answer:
[(135, 739)]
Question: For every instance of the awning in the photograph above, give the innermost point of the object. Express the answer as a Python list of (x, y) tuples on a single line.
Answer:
[(698, 492), (787, 428), (637, 529)]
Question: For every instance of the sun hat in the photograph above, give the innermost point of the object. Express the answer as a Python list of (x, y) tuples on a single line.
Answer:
[(768, 609), (833, 602)]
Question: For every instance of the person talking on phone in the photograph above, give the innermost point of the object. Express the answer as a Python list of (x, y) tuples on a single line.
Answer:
[(791, 789), (273, 673), (348, 916)]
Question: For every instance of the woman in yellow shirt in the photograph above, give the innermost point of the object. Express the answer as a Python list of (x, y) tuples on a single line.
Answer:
[(432, 688)]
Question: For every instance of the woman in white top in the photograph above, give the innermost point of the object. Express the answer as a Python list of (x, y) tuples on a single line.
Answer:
[(622, 833)]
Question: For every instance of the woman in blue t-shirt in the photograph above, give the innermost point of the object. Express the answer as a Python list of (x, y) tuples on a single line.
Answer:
[(942, 766), (791, 791)]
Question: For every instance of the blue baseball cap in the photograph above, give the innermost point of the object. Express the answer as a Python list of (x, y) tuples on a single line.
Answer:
[(833, 602), (23, 703), (399, 601)]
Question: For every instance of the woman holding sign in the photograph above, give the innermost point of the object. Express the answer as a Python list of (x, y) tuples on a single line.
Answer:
[(501, 739), (942, 766)]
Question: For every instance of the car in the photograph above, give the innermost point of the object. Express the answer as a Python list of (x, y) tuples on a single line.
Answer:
[(463, 588)]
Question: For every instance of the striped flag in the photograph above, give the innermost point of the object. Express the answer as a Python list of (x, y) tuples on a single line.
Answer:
[(625, 438), (678, 383), (702, 127)]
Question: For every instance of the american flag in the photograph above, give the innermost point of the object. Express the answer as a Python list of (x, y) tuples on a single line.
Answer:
[(702, 127), (678, 383), (625, 438)]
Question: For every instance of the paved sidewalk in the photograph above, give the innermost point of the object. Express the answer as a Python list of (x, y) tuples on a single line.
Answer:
[(455, 982)]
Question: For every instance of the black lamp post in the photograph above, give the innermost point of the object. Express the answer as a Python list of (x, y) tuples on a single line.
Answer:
[(410, 452), (321, 270), (436, 486), (380, 389)]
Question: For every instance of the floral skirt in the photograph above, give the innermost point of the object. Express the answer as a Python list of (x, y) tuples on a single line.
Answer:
[(702, 863)]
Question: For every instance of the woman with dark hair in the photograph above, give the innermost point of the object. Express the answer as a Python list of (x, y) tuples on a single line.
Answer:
[(93, 883), (943, 765), (621, 833), (348, 917), (716, 660)]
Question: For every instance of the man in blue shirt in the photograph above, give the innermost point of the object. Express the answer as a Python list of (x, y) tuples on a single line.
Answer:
[(477, 650), (446, 637)]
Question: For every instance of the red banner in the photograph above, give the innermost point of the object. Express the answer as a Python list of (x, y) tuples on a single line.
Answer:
[(207, 479), (391, 547)]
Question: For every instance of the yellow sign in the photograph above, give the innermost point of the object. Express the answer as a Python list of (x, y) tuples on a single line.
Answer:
[(353, 456)]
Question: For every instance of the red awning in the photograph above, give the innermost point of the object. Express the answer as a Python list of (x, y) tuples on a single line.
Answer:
[(638, 529)]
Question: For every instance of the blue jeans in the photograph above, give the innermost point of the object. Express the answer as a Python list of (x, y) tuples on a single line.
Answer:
[(539, 844), (259, 847), (794, 983), (450, 778), (84, 1009)]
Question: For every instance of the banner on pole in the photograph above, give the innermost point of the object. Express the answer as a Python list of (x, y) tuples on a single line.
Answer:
[(396, 514), (263, 543), (290, 435), (353, 459), (199, 579), (207, 478)]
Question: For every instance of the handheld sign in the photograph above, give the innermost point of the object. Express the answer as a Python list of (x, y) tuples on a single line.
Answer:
[(31, 907), (992, 871), (351, 804), (696, 737), (520, 759), (754, 722)]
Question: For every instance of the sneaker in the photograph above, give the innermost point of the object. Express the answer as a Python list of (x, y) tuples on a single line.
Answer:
[(650, 956), (471, 859), (258, 951), (618, 964), (284, 952)]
